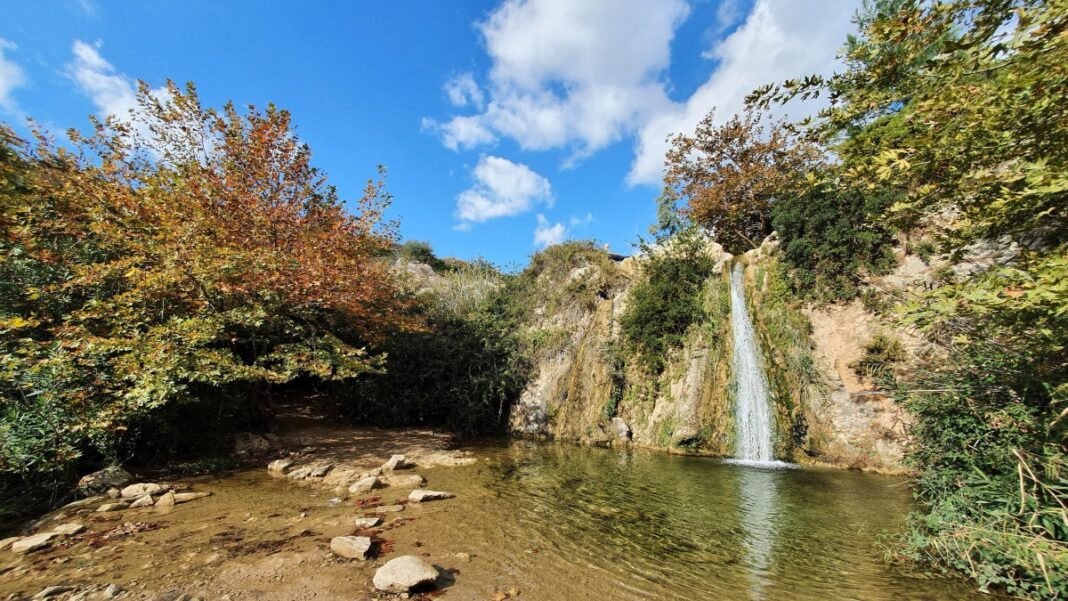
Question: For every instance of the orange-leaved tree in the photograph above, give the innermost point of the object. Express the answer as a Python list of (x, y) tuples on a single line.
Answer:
[(727, 176), (176, 253)]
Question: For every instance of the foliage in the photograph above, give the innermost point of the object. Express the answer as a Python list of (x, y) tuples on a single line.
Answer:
[(730, 175), (462, 371), (881, 352), (668, 299), (418, 251), (175, 254), (832, 237)]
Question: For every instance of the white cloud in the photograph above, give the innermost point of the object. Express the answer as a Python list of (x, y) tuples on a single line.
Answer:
[(547, 234), (462, 90), (11, 77), (779, 40), (576, 221), (460, 132), (570, 74), (501, 189), (113, 93)]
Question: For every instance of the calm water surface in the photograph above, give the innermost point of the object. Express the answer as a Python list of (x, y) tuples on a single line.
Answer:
[(583, 523)]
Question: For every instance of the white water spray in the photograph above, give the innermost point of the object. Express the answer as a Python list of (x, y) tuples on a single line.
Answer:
[(752, 413)]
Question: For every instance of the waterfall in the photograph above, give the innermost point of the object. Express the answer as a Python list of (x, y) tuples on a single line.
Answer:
[(752, 412)]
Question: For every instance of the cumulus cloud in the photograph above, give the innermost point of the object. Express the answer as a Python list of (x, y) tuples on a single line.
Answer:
[(460, 132), (462, 90), (576, 221), (501, 189), (112, 92), (778, 40), (11, 77), (547, 234), (568, 74)]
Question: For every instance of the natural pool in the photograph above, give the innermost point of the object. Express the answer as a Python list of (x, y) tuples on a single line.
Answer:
[(547, 522)]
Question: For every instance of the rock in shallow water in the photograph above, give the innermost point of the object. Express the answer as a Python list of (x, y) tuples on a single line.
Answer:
[(423, 495), (144, 501), (351, 547), (136, 491), (113, 507), (365, 485), (411, 481), (361, 522), (396, 462), (69, 529), (35, 542), (404, 573), (280, 465)]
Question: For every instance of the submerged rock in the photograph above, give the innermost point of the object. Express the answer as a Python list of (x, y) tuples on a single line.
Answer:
[(117, 506), (404, 573), (423, 495), (185, 497), (35, 542), (99, 481), (365, 485), (351, 547), (411, 481)]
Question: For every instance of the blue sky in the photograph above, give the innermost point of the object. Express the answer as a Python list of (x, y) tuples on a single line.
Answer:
[(506, 125)]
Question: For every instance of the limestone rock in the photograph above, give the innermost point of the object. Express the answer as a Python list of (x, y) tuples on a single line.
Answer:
[(620, 428), (145, 501), (112, 591), (404, 573), (410, 481), (351, 547), (396, 462), (7, 542), (364, 522), (321, 471), (300, 474), (280, 465), (338, 477), (166, 500), (53, 591), (114, 493), (136, 491), (69, 529), (117, 506), (423, 495), (365, 485), (99, 481), (389, 508), (185, 497), (33, 543)]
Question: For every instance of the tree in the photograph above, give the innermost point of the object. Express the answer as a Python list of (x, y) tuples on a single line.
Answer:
[(176, 254), (729, 175)]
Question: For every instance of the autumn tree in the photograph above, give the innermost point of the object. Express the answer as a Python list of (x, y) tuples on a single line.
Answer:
[(728, 175), (175, 254)]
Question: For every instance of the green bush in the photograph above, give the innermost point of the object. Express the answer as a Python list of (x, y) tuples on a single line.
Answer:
[(667, 300), (880, 353), (832, 238), (418, 251)]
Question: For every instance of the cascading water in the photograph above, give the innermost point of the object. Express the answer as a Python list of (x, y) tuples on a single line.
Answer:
[(752, 413)]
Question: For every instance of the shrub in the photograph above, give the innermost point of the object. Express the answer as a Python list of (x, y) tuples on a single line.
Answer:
[(880, 353), (418, 251)]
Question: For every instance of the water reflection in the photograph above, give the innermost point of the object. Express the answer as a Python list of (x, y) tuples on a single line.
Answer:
[(758, 491)]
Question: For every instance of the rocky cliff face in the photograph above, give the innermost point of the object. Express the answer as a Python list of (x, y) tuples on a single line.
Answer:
[(587, 391)]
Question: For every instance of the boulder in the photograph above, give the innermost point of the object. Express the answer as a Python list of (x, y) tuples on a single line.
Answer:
[(351, 547), (166, 500), (145, 501), (35, 542), (321, 471), (98, 482), (280, 465), (300, 474), (118, 506), (402, 574), (423, 495), (365, 485), (389, 508), (136, 491), (247, 443), (69, 529), (366, 522), (114, 493), (410, 481), (396, 462), (338, 477), (185, 497), (620, 428)]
